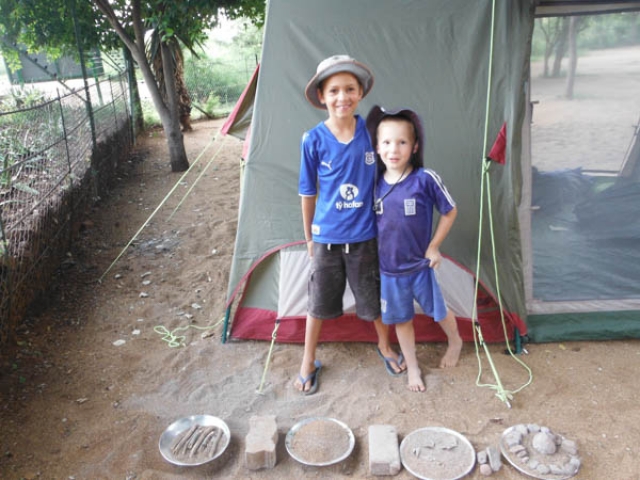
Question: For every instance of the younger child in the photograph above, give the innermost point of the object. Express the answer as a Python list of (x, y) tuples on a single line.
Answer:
[(337, 174), (406, 195)]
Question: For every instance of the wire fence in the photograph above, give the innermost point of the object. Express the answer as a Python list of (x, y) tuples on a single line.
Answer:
[(58, 155), (56, 158)]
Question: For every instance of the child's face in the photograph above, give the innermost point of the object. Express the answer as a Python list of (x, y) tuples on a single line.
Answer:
[(396, 144), (341, 93)]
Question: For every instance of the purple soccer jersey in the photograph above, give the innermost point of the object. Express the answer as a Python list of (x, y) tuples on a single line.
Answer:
[(405, 219)]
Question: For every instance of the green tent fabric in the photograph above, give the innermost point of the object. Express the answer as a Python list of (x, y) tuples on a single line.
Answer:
[(432, 56), (438, 66)]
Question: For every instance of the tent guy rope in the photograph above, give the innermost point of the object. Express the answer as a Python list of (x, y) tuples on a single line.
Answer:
[(274, 335), (204, 170), (174, 340), (501, 392), (160, 205)]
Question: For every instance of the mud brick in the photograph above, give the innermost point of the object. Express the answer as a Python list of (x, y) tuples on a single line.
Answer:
[(260, 442), (384, 452)]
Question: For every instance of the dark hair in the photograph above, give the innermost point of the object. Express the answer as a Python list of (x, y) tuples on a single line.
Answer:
[(416, 157)]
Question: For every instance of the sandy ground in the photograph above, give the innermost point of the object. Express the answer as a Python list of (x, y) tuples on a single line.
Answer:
[(595, 129), (75, 405)]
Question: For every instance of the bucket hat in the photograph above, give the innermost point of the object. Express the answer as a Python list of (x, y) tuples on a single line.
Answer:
[(331, 66), (378, 113)]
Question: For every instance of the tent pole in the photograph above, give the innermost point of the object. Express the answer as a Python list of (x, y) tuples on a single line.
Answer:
[(225, 325), (517, 341)]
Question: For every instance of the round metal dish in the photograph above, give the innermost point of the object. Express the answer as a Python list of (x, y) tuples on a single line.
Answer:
[(437, 453), (319, 441), (181, 428), (557, 458)]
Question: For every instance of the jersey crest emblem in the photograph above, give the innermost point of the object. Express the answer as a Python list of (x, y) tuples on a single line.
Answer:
[(369, 158)]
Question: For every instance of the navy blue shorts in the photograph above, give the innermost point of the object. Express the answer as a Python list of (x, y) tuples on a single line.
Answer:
[(399, 291), (331, 267)]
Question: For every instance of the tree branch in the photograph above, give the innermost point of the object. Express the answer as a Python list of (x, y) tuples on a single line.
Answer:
[(110, 15), (138, 27)]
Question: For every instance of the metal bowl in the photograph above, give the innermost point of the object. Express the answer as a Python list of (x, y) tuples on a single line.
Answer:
[(181, 427), (524, 467), (296, 429), (448, 454)]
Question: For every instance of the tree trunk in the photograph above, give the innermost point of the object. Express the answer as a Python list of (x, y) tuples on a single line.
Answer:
[(184, 100), (561, 47), (167, 111), (171, 121), (547, 55), (573, 57)]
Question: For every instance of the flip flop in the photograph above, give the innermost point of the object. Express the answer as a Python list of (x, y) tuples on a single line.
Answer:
[(390, 361), (313, 378)]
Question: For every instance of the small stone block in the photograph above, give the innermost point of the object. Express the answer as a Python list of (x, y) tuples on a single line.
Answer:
[(384, 452), (485, 469), (495, 461), (260, 442)]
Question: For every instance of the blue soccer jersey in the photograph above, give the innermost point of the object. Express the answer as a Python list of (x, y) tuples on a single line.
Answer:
[(405, 220), (342, 176)]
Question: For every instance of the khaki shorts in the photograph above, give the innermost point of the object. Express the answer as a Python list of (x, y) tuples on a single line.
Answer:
[(331, 266)]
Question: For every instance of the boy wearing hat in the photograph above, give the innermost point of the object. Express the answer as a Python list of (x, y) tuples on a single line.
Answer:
[(336, 187), (406, 195)]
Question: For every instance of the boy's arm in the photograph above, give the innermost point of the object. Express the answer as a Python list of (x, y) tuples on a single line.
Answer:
[(308, 212), (442, 230)]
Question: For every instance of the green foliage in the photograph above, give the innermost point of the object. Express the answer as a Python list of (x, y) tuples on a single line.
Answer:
[(205, 77), (16, 145), (51, 26), (217, 76), (57, 26), (150, 114), (542, 33), (188, 21), (48, 27), (26, 131), (22, 97), (609, 31), (247, 43), (597, 31)]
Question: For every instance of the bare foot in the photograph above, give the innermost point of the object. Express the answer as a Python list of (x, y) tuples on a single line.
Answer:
[(452, 355), (414, 382)]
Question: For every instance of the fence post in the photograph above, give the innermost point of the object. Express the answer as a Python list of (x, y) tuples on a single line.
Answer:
[(6, 287), (64, 134), (137, 119), (83, 67), (113, 105), (127, 107), (92, 123)]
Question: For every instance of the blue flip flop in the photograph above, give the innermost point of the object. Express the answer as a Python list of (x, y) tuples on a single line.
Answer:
[(389, 362), (313, 378)]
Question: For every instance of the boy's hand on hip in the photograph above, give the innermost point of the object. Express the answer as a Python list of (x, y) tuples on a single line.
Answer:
[(434, 256)]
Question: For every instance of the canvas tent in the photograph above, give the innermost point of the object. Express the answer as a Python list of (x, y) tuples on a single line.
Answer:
[(238, 123), (437, 57)]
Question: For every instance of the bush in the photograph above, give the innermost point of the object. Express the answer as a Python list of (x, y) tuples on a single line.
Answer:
[(208, 80), (150, 114)]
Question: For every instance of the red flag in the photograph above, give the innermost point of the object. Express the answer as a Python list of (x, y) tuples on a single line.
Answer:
[(497, 153)]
